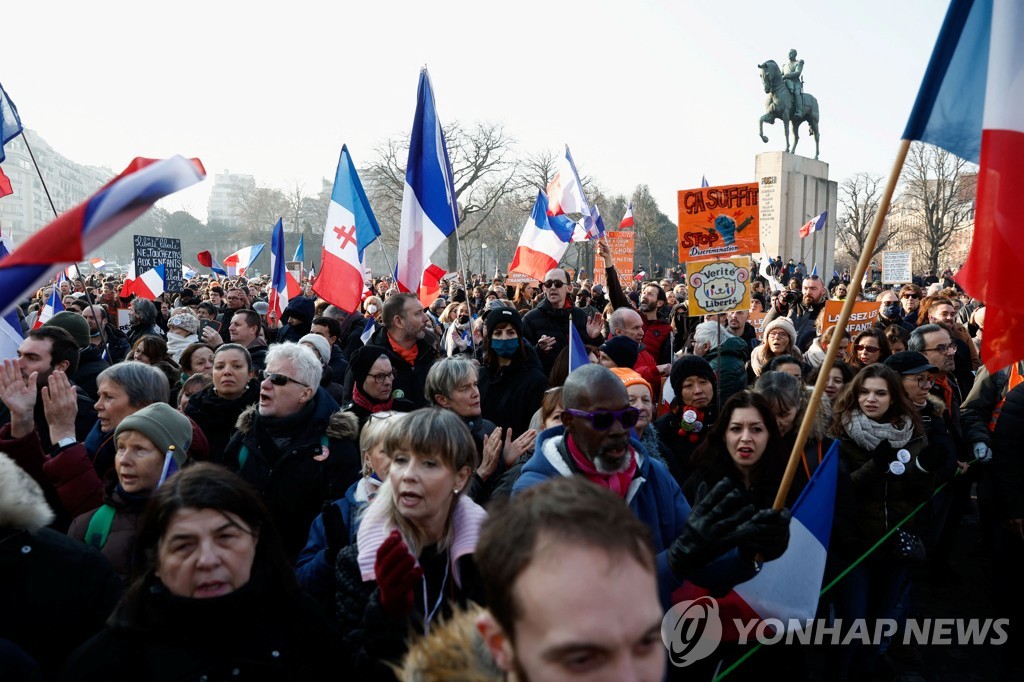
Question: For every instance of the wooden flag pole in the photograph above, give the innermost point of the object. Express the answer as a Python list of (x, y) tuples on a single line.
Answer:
[(844, 317)]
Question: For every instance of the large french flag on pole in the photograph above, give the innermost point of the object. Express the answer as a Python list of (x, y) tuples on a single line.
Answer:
[(351, 228), (238, 262), (278, 278), (543, 242), (970, 104), (565, 195), (86, 227), (789, 587), (429, 209)]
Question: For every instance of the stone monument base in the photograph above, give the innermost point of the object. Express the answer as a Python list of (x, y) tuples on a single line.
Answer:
[(794, 189)]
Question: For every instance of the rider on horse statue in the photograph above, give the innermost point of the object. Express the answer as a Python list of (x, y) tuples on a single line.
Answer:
[(792, 74)]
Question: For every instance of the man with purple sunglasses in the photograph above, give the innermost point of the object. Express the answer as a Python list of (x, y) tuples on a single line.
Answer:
[(595, 441)]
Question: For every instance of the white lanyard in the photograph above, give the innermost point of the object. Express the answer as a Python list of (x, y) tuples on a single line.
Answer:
[(429, 616)]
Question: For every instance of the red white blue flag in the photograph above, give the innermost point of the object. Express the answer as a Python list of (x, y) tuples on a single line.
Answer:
[(430, 213), (278, 277), (543, 242), (351, 228), (814, 224), (10, 122), (238, 262), (627, 220), (87, 226), (52, 306)]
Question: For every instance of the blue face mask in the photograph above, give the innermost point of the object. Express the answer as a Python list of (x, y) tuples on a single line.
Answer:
[(892, 310), (506, 348)]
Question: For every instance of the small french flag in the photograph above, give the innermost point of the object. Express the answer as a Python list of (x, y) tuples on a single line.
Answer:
[(814, 224), (151, 283), (627, 220), (53, 306), (98, 263)]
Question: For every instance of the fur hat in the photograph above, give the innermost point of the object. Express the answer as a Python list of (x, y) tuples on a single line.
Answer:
[(164, 426), (73, 324), (503, 315), (688, 366), (622, 350), (22, 503), (785, 324), (323, 347), (189, 323)]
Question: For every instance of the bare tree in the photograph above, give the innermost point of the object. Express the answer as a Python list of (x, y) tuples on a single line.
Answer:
[(653, 230), (859, 197), (484, 171), (939, 187), (260, 208)]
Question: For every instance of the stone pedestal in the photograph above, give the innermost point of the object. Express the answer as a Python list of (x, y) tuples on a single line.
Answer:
[(794, 189)]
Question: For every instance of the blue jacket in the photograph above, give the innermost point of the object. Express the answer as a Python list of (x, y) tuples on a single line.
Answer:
[(314, 574), (655, 498)]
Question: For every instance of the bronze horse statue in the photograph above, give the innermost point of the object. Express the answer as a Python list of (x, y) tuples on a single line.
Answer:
[(779, 104)]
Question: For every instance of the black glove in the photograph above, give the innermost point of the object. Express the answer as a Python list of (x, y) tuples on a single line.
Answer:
[(717, 523), (883, 455), (771, 538), (335, 532)]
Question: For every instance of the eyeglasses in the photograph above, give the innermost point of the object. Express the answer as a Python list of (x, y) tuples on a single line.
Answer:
[(911, 296), (280, 379), (944, 348), (556, 283), (603, 419), (922, 380), (867, 349), (382, 377)]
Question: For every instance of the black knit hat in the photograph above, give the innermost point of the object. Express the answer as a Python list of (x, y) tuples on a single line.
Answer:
[(503, 315), (362, 361), (688, 366), (622, 350)]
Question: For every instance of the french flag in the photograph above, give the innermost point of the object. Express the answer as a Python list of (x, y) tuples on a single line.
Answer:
[(10, 122), (52, 306), (207, 260), (279, 294), (238, 262), (815, 224), (627, 220), (787, 588), (351, 228), (98, 263), (542, 243), (578, 356), (10, 327), (970, 104), (151, 283), (429, 209), (565, 195), (86, 227)]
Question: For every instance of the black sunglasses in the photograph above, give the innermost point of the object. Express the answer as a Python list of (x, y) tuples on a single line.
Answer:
[(280, 379), (556, 283)]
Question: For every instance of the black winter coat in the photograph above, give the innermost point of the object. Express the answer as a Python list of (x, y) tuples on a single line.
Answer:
[(217, 416), (296, 479), (410, 380), (90, 364), (56, 593), (372, 637), (245, 635), (510, 395), (544, 320), (1008, 456)]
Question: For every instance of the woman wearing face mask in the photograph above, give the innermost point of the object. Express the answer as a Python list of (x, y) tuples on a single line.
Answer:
[(511, 387), (213, 596), (457, 338)]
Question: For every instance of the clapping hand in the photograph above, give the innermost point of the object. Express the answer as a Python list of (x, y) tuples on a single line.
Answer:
[(18, 393), (60, 404)]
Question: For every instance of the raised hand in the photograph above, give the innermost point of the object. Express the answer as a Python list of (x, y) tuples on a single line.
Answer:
[(60, 404), (18, 393)]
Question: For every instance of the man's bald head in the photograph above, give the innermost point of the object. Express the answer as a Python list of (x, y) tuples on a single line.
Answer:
[(556, 287), (588, 381)]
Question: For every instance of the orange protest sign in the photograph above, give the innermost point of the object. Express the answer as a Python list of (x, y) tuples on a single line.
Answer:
[(718, 221), (864, 315), (756, 320), (621, 244)]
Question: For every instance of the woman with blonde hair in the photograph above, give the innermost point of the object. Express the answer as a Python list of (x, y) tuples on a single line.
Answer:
[(412, 561)]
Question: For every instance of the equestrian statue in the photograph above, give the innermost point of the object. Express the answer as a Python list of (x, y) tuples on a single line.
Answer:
[(788, 101)]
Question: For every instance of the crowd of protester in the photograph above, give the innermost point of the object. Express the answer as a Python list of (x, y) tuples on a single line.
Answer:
[(423, 493)]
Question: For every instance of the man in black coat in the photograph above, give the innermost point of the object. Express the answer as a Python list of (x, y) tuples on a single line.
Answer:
[(547, 325)]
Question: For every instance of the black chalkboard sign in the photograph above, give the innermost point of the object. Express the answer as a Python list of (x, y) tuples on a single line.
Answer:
[(153, 251)]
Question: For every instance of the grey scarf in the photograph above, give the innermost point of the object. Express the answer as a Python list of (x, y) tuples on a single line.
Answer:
[(868, 433)]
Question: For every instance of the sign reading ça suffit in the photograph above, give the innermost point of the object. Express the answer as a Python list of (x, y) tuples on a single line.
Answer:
[(864, 316), (718, 221), (718, 286), (621, 244)]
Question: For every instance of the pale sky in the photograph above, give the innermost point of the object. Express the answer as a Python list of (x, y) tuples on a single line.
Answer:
[(642, 91)]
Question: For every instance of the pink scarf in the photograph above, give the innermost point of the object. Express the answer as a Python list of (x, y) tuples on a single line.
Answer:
[(617, 483)]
